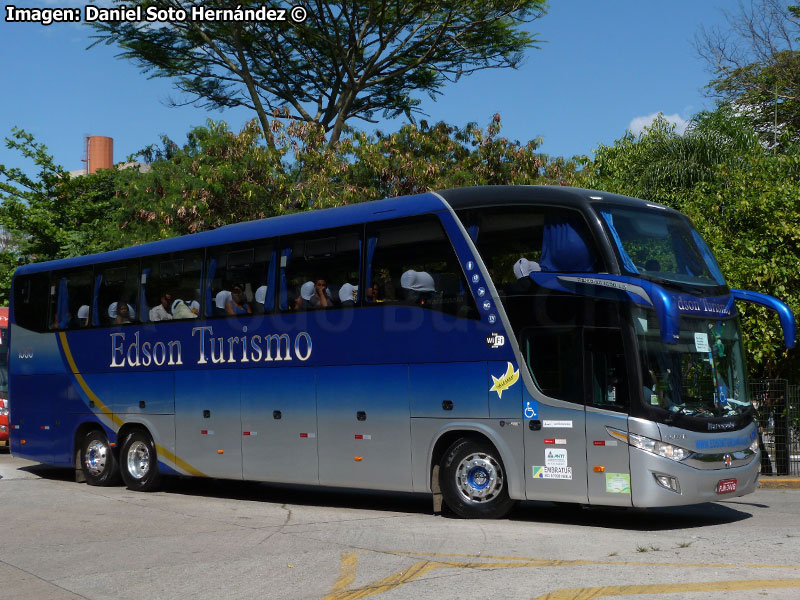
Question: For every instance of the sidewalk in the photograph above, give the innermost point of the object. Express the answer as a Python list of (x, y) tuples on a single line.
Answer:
[(779, 482)]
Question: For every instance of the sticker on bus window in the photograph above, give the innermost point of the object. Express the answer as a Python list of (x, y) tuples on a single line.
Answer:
[(701, 342), (545, 472), (618, 483)]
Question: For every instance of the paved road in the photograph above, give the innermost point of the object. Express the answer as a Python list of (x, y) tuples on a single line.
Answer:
[(208, 539)]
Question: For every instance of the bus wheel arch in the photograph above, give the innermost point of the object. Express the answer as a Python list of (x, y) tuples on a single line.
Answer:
[(95, 456), (138, 459), (469, 475)]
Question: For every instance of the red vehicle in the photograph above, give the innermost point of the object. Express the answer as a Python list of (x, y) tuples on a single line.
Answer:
[(3, 377)]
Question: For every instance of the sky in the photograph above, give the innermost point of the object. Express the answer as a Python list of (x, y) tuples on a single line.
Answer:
[(602, 68)]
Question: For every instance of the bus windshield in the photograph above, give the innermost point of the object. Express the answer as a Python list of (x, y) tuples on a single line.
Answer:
[(660, 245), (702, 376)]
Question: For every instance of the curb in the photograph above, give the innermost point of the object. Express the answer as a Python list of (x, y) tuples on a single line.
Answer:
[(779, 482)]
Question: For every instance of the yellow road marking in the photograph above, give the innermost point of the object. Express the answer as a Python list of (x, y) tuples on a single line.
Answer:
[(386, 584), (347, 573), (670, 588), (349, 562)]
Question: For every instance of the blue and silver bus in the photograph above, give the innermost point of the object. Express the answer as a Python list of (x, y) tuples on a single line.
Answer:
[(482, 345)]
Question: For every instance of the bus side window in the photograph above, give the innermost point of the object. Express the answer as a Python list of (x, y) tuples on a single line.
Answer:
[(247, 267), (321, 270), (31, 301), (117, 284), (412, 262), (74, 294), (175, 280)]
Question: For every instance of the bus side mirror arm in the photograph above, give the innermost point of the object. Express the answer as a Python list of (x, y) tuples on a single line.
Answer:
[(785, 314)]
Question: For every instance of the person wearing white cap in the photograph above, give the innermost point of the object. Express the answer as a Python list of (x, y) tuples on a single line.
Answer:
[(260, 298), (348, 294), (83, 315), (418, 285), (522, 270), (524, 267), (181, 310)]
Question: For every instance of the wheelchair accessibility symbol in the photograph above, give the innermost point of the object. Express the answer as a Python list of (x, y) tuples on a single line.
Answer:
[(531, 409)]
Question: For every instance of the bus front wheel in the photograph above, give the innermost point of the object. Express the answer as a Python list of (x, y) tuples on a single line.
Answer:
[(473, 481), (98, 463), (139, 463)]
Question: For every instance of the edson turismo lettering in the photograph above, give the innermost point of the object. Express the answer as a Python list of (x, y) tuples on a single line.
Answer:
[(210, 349)]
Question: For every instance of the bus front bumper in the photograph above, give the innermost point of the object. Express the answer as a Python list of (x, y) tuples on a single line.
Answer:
[(693, 485)]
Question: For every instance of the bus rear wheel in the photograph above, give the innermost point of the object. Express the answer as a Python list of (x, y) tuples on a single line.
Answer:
[(473, 481), (139, 463), (98, 463)]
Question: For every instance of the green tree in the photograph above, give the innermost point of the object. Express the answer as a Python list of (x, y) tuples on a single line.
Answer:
[(346, 60), (219, 177), (756, 66), (51, 216)]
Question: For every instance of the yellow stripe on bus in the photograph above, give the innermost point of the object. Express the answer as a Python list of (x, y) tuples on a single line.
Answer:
[(110, 415)]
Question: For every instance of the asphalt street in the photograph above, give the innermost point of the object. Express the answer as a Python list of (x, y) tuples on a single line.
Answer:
[(213, 539)]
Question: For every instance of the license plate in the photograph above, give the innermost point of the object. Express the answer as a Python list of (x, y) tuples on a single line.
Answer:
[(726, 486)]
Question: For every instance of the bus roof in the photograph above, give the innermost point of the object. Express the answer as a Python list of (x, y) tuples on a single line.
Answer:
[(458, 198), (261, 228), (487, 195)]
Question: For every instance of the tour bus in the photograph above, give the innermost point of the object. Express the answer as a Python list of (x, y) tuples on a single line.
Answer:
[(482, 345)]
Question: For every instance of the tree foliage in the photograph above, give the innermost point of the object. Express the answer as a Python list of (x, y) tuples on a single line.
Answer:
[(219, 177), (346, 60), (756, 65)]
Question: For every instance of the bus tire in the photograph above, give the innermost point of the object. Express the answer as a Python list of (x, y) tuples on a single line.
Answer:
[(139, 463), (473, 480), (98, 463)]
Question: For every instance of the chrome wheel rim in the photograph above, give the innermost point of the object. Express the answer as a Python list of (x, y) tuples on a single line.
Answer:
[(138, 460), (95, 460), (479, 478)]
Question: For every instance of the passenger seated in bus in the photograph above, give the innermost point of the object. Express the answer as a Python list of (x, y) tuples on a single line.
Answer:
[(236, 305), (259, 298), (121, 312), (321, 296), (373, 293), (220, 300), (303, 300), (522, 270), (160, 312), (181, 310), (348, 294), (418, 286), (83, 316)]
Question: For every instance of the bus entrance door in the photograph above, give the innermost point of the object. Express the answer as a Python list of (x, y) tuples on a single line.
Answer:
[(555, 434), (607, 393)]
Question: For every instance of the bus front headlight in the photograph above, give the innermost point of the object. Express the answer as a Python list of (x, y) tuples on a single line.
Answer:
[(658, 448)]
